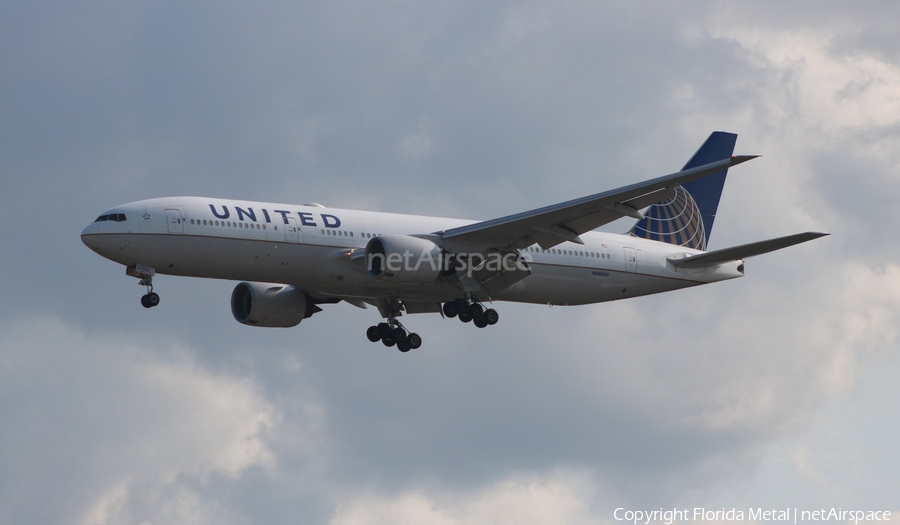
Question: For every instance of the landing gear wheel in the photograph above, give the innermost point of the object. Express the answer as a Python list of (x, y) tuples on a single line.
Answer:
[(450, 309), (384, 330), (149, 300), (464, 316), (145, 274), (476, 310), (414, 340), (480, 322), (403, 347), (372, 334), (399, 335), (491, 316), (388, 341)]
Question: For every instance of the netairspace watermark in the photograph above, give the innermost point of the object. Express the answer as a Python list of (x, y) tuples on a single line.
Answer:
[(795, 515), (462, 263)]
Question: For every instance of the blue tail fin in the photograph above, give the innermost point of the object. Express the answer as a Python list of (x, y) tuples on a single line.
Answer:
[(686, 217)]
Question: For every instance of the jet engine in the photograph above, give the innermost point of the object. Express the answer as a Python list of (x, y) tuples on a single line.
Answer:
[(270, 305), (403, 259)]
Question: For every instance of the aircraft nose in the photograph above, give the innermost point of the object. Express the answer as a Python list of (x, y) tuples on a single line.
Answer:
[(89, 236)]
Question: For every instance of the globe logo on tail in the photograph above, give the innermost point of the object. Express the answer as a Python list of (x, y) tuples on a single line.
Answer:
[(675, 220)]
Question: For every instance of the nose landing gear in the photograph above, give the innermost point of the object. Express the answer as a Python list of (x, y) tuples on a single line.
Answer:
[(145, 274)]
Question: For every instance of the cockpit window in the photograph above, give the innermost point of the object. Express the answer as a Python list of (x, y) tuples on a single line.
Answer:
[(117, 217)]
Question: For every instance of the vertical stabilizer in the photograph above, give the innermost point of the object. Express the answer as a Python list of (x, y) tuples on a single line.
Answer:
[(686, 217)]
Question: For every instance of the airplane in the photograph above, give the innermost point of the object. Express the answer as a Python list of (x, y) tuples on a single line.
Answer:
[(291, 259)]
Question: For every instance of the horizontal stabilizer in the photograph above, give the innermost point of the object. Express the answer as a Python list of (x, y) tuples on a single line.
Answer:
[(743, 251)]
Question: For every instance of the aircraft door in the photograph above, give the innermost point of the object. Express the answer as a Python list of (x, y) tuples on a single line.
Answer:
[(175, 222), (630, 260), (291, 231)]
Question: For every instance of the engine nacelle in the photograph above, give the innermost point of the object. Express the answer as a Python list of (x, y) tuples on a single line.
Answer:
[(403, 259), (269, 305)]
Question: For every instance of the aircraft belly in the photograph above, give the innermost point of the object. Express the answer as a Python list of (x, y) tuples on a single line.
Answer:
[(572, 285), (222, 258)]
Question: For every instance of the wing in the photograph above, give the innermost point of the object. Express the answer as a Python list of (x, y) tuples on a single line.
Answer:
[(552, 225)]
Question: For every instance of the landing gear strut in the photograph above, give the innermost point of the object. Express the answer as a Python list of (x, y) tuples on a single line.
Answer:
[(471, 312)]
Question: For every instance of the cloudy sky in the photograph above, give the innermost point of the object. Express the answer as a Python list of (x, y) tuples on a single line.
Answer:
[(779, 389)]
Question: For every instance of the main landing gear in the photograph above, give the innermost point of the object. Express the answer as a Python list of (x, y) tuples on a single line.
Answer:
[(474, 313), (393, 333)]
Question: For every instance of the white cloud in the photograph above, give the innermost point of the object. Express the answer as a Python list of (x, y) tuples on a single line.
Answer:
[(833, 91), (97, 427), (755, 356), (563, 497)]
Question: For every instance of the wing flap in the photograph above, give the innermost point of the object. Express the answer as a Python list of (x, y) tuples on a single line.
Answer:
[(743, 251)]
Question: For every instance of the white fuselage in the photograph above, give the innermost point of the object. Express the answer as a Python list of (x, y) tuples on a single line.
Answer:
[(309, 246)]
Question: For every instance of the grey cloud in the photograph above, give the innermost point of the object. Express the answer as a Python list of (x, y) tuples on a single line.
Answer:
[(463, 110)]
